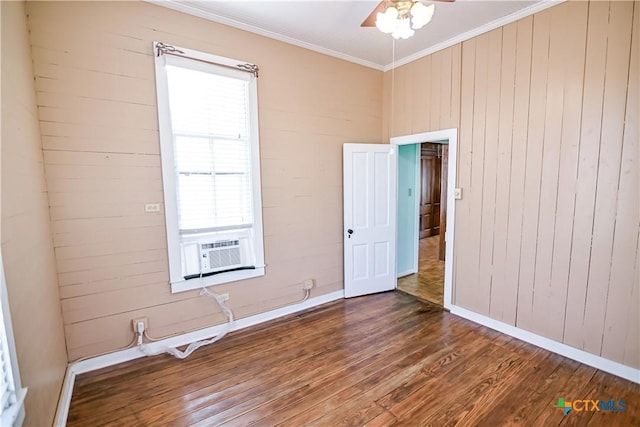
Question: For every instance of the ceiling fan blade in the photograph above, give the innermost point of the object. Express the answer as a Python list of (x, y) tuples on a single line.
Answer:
[(371, 19)]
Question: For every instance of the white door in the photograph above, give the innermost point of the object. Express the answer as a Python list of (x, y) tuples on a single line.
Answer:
[(369, 218)]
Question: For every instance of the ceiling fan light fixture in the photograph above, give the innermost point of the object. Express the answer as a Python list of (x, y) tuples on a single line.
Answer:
[(418, 8), (403, 30), (402, 17), (421, 15), (386, 21), (392, 12)]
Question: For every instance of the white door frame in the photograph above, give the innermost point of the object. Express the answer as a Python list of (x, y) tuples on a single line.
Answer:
[(450, 136)]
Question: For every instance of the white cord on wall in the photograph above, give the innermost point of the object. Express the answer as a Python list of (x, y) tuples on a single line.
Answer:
[(141, 333), (197, 344)]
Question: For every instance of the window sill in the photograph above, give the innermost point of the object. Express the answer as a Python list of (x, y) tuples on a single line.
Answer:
[(218, 279), (14, 415)]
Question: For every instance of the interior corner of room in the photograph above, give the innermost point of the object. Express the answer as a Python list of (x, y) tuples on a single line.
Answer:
[(502, 171)]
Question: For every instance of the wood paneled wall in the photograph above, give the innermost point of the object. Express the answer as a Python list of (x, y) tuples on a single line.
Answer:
[(547, 232), (27, 248), (423, 95), (95, 85)]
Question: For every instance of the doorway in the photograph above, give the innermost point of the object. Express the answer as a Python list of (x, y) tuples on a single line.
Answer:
[(426, 182), (428, 282)]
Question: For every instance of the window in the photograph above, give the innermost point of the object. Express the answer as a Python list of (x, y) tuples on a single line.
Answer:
[(11, 392), (207, 109)]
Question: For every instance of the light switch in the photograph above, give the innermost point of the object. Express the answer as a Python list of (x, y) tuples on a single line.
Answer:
[(152, 207), (457, 193)]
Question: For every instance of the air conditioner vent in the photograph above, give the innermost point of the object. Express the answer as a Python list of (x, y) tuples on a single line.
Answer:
[(220, 255), (220, 244), (224, 257)]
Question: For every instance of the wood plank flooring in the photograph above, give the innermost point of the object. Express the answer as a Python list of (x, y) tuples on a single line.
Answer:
[(428, 283), (380, 360)]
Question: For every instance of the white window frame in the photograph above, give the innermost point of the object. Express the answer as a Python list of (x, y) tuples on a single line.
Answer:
[(178, 283), (15, 413)]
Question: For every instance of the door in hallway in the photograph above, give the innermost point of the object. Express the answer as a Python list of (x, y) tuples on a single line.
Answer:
[(430, 181)]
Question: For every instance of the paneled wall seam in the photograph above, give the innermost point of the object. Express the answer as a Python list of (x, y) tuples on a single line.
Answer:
[(515, 323), (584, 72), (46, 186), (495, 184)]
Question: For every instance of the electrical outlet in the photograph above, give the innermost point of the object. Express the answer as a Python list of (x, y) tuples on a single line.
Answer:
[(134, 323), (307, 284), (225, 297), (152, 207)]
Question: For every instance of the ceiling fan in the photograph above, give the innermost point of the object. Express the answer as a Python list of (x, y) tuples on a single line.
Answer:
[(400, 18)]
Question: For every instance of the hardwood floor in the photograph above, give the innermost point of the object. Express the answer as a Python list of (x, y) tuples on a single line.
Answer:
[(380, 360), (428, 283)]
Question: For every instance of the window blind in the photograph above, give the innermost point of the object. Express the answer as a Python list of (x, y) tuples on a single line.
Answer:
[(10, 401), (210, 126), (5, 376)]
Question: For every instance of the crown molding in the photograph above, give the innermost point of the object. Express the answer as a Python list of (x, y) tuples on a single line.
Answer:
[(522, 13), (195, 11), (187, 8)]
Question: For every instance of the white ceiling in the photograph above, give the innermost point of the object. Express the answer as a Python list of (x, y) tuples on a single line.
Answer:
[(333, 27)]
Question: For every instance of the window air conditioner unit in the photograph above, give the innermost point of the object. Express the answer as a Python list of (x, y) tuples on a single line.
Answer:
[(207, 255), (220, 255)]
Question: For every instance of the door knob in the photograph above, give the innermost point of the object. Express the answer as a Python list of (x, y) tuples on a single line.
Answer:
[(350, 231)]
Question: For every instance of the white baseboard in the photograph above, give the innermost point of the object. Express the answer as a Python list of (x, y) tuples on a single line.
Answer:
[(406, 273), (64, 401), (581, 356), (117, 357)]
